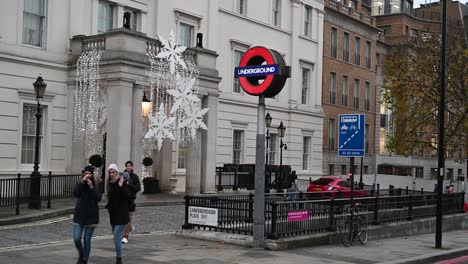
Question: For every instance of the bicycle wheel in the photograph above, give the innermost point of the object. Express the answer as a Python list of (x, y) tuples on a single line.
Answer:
[(362, 235), (347, 233)]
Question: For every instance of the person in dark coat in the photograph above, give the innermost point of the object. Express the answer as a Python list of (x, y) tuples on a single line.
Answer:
[(134, 187), (86, 214), (118, 197)]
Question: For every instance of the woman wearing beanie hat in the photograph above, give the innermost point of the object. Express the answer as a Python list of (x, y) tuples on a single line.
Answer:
[(117, 206), (86, 214)]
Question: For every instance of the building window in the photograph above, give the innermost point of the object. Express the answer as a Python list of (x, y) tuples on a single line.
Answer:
[(305, 85), (186, 34), (305, 152), (368, 54), (276, 12), (273, 142), (237, 146), (34, 22), (366, 137), (333, 42), (433, 173), (132, 16), (346, 46), (240, 6), (434, 145), (366, 170), (182, 156), (367, 96), (307, 20), (332, 88), (236, 88), (356, 93), (331, 169), (331, 134), (28, 141), (105, 17), (357, 51), (343, 170), (344, 91)]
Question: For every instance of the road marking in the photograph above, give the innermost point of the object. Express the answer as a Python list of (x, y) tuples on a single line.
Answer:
[(38, 223), (19, 247)]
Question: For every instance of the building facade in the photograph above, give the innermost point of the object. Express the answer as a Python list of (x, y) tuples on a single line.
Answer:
[(49, 35)]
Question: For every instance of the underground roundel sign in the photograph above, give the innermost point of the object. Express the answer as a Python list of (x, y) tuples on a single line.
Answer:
[(262, 71)]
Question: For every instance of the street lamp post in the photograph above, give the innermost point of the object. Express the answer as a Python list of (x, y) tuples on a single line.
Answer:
[(35, 180), (268, 119), (281, 131)]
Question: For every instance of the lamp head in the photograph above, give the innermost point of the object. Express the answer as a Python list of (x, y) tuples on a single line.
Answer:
[(39, 87), (268, 119), (281, 129), (145, 105)]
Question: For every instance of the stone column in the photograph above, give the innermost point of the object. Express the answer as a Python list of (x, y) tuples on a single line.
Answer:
[(137, 129), (193, 175), (163, 164), (208, 168), (119, 122)]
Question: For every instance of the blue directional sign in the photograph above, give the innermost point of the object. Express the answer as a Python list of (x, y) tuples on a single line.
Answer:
[(351, 136)]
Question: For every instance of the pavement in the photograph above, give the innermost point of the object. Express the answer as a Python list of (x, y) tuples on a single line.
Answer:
[(167, 247)]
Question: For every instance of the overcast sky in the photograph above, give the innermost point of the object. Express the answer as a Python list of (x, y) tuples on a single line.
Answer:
[(416, 3)]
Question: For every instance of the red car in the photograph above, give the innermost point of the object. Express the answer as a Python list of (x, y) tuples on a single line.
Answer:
[(334, 184)]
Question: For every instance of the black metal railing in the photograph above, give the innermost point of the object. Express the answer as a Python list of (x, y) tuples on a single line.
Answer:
[(287, 215), (16, 191)]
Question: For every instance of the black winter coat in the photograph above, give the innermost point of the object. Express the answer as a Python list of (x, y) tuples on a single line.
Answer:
[(134, 187), (117, 203), (86, 209)]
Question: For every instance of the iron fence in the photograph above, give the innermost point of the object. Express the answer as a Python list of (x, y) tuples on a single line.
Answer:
[(287, 216), (16, 191)]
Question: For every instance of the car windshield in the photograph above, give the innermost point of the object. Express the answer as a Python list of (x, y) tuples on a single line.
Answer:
[(344, 184), (322, 181)]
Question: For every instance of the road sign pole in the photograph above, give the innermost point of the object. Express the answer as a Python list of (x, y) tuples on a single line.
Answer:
[(259, 198), (351, 164)]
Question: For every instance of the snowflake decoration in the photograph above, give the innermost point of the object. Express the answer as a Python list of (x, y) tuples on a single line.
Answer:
[(160, 127), (171, 52), (183, 94), (194, 120)]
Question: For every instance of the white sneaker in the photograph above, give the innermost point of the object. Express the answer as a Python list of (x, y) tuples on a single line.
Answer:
[(124, 240)]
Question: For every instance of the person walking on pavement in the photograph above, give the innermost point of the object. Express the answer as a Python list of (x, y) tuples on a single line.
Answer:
[(118, 197), (134, 187), (86, 214)]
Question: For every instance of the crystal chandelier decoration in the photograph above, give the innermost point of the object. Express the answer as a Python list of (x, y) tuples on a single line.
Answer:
[(175, 112), (90, 113)]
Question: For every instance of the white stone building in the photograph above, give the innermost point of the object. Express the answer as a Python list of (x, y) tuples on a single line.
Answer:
[(47, 36)]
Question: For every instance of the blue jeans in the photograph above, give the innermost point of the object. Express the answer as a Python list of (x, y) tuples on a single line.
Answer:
[(78, 235), (117, 232)]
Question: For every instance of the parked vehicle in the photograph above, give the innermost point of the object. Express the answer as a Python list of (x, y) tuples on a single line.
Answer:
[(337, 187)]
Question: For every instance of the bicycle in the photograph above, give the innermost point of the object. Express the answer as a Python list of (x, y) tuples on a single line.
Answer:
[(354, 226)]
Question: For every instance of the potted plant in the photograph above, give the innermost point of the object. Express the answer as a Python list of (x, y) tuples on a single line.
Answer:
[(150, 184)]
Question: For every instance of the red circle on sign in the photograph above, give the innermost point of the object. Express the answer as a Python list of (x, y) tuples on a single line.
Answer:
[(266, 55)]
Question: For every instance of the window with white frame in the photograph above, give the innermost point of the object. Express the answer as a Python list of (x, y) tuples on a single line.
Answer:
[(236, 88), (367, 92), (332, 88), (331, 133), (34, 22), (134, 17), (333, 42), (307, 21), (344, 91), (357, 51), (368, 54), (305, 152), (356, 93), (346, 46), (237, 146), (105, 17), (305, 85), (276, 12), (240, 6), (28, 140), (186, 34), (273, 142), (182, 156)]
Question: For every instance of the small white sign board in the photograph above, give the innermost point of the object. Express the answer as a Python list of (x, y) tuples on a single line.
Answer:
[(203, 216)]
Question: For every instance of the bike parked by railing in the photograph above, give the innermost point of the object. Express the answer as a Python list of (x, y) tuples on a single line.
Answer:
[(354, 226)]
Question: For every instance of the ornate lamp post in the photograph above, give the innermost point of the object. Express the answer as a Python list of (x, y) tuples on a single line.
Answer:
[(282, 131), (35, 181), (268, 119)]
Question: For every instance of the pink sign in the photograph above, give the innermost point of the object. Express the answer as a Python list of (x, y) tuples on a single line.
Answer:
[(294, 216)]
